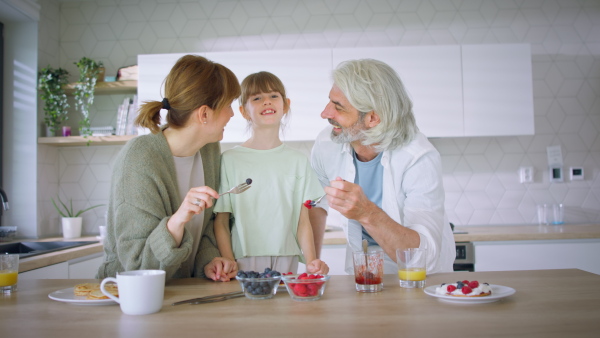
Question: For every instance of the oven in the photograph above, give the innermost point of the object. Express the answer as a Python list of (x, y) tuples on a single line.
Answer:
[(465, 257)]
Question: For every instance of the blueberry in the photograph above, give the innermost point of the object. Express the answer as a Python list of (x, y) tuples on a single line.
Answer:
[(248, 181)]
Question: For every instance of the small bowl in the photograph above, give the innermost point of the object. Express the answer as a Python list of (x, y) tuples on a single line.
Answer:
[(259, 288), (305, 289)]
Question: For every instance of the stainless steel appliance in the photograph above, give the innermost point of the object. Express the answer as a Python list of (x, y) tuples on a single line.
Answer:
[(465, 257)]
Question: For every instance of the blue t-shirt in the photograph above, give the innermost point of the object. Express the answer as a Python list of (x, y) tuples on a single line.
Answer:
[(369, 175)]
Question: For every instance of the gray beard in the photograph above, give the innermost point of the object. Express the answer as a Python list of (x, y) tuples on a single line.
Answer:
[(348, 135)]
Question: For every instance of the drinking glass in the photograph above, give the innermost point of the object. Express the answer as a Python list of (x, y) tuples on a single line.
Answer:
[(559, 213), (542, 214), (9, 272), (412, 267), (368, 270)]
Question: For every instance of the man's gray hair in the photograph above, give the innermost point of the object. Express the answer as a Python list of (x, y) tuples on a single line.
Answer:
[(371, 85)]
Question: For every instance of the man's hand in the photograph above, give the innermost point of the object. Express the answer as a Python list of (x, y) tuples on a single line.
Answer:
[(350, 200)]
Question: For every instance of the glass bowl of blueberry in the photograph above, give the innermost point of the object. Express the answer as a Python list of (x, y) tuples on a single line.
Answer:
[(305, 287), (257, 285)]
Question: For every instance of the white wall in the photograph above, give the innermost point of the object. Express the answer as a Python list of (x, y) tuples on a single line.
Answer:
[(480, 174), (19, 130)]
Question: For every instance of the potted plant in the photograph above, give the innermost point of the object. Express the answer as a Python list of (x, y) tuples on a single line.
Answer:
[(71, 221), (50, 83), (84, 90)]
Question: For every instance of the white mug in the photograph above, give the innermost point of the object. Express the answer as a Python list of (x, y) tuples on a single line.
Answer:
[(141, 292)]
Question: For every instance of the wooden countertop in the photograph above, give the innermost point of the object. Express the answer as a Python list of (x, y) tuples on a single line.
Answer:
[(504, 233), (547, 303), (60, 256)]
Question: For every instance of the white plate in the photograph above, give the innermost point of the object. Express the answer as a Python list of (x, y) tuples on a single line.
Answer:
[(498, 292), (67, 296)]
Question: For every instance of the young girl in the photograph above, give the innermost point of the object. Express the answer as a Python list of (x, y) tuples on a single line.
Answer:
[(270, 225)]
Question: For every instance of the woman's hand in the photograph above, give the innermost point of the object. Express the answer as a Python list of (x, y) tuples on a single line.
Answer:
[(317, 266), (195, 201), (221, 269)]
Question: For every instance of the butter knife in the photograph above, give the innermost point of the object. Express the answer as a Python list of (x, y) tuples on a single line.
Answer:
[(201, 299), (214, 300)]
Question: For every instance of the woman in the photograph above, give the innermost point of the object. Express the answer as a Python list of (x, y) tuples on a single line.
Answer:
[(163, 184)]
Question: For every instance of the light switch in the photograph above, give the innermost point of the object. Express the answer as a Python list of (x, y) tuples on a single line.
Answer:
[(526, 174)]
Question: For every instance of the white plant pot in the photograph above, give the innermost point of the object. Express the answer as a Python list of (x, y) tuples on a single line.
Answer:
[(71, 227), (50, 132)]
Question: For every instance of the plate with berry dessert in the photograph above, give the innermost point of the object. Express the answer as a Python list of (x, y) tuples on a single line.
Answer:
[(470, 292)]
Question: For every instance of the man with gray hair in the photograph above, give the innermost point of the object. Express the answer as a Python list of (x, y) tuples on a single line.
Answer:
[(383, 178)]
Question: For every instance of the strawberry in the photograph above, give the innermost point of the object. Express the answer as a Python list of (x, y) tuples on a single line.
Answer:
[(308, 204), (465, 282), (303, 275), (312, 289), (473, 284), (451, 288), (300, 289), (466, 290)]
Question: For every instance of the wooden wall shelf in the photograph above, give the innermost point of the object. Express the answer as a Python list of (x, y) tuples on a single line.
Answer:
[(71, 141), (109, 88)]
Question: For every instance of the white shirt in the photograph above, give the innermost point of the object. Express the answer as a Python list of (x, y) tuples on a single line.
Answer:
[(413, 196)]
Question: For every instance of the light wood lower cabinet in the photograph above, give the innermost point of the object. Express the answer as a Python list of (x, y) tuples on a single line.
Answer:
[(55, 271), (538, 255), (85, 267), (79, 268)]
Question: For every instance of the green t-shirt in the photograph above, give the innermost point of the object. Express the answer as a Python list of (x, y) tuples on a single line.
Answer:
[(266, 215)]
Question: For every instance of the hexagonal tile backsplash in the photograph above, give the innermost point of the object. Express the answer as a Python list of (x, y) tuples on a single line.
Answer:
[(480, 174)]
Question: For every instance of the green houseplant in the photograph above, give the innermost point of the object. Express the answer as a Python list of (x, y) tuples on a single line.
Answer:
[(50, 83), (84, 90), (71, 220), (67, 211)]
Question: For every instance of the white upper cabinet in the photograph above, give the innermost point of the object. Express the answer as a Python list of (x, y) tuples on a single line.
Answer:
[(498, 90), (474, 90), (306, 75), (432, 77)]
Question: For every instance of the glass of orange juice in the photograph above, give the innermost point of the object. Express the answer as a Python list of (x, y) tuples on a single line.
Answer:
[(412, 267), (9, 272)]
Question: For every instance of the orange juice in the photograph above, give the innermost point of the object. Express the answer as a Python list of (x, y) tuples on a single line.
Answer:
[(415, 274), (8, 278)]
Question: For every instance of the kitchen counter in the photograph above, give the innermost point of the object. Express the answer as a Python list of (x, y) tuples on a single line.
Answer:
[(504, 233), (547, 303), (337, 237), (40, 261)]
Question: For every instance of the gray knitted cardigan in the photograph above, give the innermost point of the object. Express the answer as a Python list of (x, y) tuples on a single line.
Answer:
[(143, 196)]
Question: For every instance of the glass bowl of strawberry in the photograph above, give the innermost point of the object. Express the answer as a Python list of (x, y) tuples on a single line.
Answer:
[(305, 287)]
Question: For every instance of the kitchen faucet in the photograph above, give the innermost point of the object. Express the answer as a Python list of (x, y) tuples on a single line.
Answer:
[(4, 201)]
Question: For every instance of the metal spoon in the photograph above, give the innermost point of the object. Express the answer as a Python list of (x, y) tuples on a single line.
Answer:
[(365, 246)]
